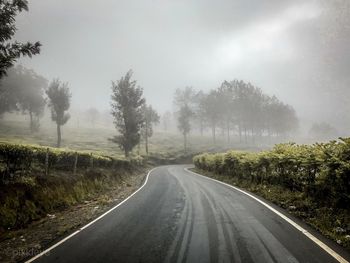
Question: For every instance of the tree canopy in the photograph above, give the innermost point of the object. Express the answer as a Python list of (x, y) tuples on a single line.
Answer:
[(127, 101), (11, 51), (59, 102), (23, 90)]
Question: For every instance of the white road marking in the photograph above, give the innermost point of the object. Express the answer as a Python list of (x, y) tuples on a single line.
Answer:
[(89, 224), (290, 221)]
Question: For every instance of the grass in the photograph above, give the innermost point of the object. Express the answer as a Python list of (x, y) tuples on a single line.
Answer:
[(34, 196), (95, 139)]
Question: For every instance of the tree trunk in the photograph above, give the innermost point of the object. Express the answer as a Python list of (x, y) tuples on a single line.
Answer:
[(146, 140), (126, 153), (214, 135), (31, 122), (185, 142), (58, 136), (228, 132), (240, 132), (201, 127)]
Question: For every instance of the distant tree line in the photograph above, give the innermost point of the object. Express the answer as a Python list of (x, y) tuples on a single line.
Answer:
[(235, 107)]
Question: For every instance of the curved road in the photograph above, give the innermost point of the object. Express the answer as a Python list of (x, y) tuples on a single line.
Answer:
[(181, 217)]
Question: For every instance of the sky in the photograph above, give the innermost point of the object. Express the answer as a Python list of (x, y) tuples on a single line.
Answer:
[(295, 49)]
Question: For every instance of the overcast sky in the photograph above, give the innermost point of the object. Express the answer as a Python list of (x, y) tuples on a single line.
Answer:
[(297, 49)]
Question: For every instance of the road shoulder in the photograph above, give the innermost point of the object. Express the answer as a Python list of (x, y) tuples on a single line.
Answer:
[(338, 252)]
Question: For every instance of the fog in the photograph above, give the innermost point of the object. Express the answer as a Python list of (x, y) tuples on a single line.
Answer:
[(297, 50)]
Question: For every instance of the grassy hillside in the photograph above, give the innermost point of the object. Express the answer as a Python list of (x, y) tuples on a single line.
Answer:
[(35, 181)]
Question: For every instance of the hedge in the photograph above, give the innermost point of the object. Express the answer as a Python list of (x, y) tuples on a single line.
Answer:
[(321, 171), (20, 160)]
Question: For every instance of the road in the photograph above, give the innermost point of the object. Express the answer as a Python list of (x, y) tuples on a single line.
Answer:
[(181, 217)]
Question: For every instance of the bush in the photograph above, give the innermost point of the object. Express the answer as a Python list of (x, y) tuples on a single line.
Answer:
[(320, 171), (19, 160)]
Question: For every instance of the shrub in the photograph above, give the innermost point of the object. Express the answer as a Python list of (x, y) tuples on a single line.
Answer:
[(320, 171)]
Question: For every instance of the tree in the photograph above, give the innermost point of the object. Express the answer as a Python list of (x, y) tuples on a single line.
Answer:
[(23, 89), (166, 119), (126, 106), (323, 131), (212, 111), (184, 125), (9, 90), (59, 102), (10, 52), (225, 97), (150, 117), (184, 97), (199, 110), (31, 97), (184, 101), (93, 115)]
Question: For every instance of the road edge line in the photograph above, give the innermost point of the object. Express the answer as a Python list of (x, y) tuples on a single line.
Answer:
[(90, 223), (326, 248)]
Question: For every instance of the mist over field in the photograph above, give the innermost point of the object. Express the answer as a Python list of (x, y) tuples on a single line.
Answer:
[(174, 131), (296, 50)]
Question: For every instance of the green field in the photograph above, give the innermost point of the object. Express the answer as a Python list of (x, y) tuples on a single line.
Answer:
[(95, 139)]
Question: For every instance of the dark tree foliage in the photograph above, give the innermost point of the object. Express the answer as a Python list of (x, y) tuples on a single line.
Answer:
[(9, 90), (59, 101), (11, 51), (23, 89), (150, 117), (127, 102)]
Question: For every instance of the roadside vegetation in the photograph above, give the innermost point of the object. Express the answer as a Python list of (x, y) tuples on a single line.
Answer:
[(37, 180), (311, 181), (54, 156)]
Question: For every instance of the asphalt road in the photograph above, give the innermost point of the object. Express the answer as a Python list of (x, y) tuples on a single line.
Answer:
[(181, 217)]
